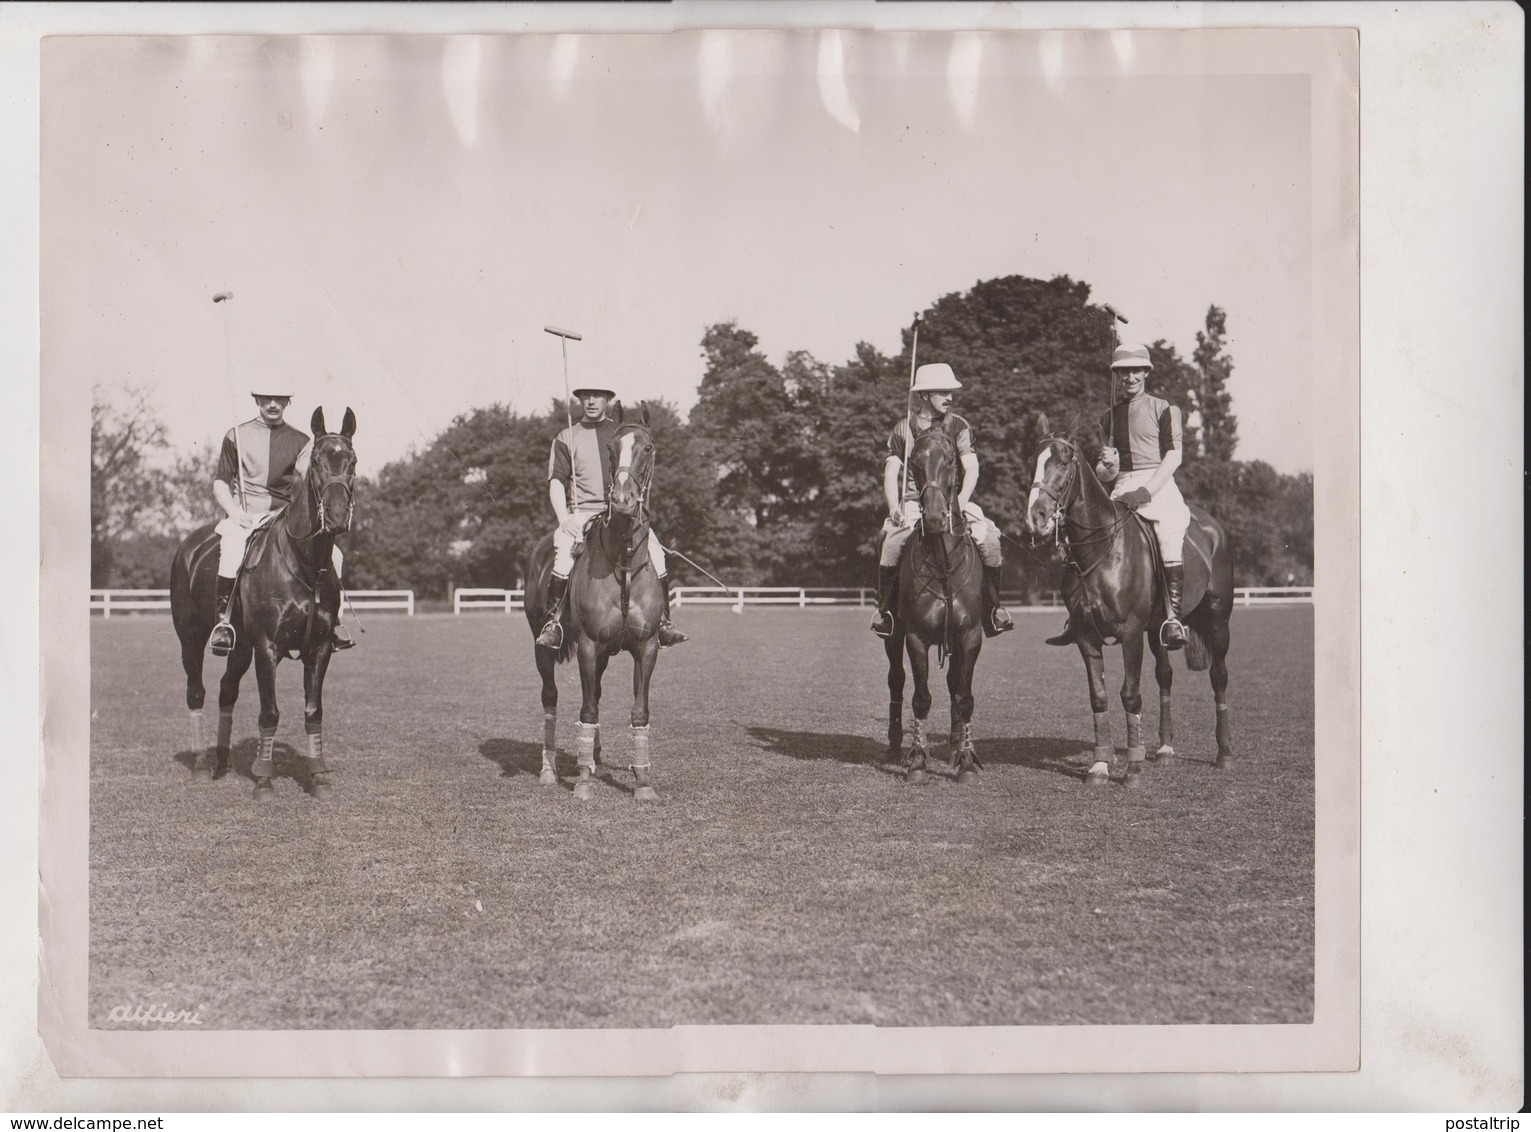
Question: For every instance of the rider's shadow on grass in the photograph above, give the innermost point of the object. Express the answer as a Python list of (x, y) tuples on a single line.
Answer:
[(813, 746), (287, 760)]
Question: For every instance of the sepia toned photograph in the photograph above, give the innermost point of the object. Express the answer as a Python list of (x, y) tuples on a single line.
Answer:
[(840, 533)]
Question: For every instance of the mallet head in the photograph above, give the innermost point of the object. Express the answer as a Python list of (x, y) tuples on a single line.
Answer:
[(564, 333), (223, 296)]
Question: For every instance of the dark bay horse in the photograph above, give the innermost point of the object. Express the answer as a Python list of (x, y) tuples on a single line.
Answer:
[(285, 603), (1114, 595), (940, 603), (614, 604)]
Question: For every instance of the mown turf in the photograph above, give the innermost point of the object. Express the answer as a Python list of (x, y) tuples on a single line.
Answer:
[(785, 876)]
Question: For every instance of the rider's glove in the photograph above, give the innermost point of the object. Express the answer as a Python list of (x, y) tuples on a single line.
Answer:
[(1135, 498), (574, 527)]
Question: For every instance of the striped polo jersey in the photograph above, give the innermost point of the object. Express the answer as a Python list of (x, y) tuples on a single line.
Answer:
[(585, 476), (1142, 430), (901, 439), (274, 459)]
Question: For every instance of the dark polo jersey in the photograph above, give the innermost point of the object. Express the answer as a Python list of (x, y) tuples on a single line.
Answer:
[(1142, 430), (578, 461), (274, 460), (902, 438)]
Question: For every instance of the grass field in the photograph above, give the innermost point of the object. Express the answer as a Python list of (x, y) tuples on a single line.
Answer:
[(785, 875)]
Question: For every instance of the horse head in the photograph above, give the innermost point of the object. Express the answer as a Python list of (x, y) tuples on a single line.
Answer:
[(630, 458), (1054, 484), (933, 464), (331, 474)]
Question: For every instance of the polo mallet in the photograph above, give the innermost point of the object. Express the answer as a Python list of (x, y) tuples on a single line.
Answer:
[(228, 373), (1116, 316), (563, 342), (914, 351)]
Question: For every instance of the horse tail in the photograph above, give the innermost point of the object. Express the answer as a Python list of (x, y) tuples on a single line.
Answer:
[(1198, 654)]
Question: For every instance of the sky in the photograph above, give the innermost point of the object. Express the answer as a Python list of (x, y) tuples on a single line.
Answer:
[(398, 218)]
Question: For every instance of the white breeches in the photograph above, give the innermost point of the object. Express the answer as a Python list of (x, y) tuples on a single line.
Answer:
[(1167, 512), (566, 546), (982, 531), (231, 545)]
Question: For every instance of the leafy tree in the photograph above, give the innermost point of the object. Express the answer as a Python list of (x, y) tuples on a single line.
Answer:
[(127, 438), (1219, 427)]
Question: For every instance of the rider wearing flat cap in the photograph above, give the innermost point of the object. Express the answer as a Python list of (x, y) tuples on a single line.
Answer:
[(933, 387), (577, 489), (254, 482), (1138, 464)]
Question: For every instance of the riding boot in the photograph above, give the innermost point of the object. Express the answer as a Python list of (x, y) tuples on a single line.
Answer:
[(1064, 638), (223, 632), (887, 582), (551, 636), (668, 633), (1172, 633), (996, 619)]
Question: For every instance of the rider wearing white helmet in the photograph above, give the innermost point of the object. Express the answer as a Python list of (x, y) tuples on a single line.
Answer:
[(933, 386), (577, 489), (1138, 463), (270, 457)]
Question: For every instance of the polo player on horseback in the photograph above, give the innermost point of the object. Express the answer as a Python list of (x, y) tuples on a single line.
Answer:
[(577, 489), (1138, 464), (257, 469), (934, 385)]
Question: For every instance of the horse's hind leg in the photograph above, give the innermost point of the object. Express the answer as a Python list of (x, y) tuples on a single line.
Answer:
[(643, 671), (547, 668), (1164, 672), (1218, 640), (894, 645), (919, 666), (192, 654), (319, 774)]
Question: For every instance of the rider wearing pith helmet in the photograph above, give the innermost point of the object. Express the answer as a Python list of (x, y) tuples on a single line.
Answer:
[(934, 384), (1143, 450)]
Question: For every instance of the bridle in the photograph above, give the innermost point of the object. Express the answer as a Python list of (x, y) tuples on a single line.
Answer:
[(948, 505), (319, 489), (1062, 499), (625, 471)]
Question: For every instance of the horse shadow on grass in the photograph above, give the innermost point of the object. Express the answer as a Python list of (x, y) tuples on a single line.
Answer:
[(1067, 757), (285, 758), (516, 757)]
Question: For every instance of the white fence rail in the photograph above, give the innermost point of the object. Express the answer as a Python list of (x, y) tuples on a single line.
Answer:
[(471, 600), (137, 601), (107, 602)]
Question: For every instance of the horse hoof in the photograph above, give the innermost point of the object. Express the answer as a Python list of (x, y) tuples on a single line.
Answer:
[(1133, 779), (201, 774), (915, 775), (966, 775), (584, 791), (264, 790), (1164, 753), (1097, 778), (1224, 761), (547, 778), (322, 790), (645, 794)]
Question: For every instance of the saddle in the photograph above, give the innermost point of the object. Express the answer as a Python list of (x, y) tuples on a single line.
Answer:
[(1198, 560)]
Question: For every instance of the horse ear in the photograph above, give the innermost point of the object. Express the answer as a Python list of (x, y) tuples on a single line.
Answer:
[(643, 413), (348, 424), (616, 412), (316, 422), (1042, 424)]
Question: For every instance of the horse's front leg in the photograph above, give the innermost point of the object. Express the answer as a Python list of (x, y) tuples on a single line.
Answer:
[(319, 773), (263, 769), (959, 682), (644, 657), (919, 667), (547, 668), (592, 665), (894, 646), (1164, 673), (1218, 642), (228, 696), (1132, 703), (1105, 750)]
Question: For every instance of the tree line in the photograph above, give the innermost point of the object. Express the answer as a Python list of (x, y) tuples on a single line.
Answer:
[(774, 478)]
